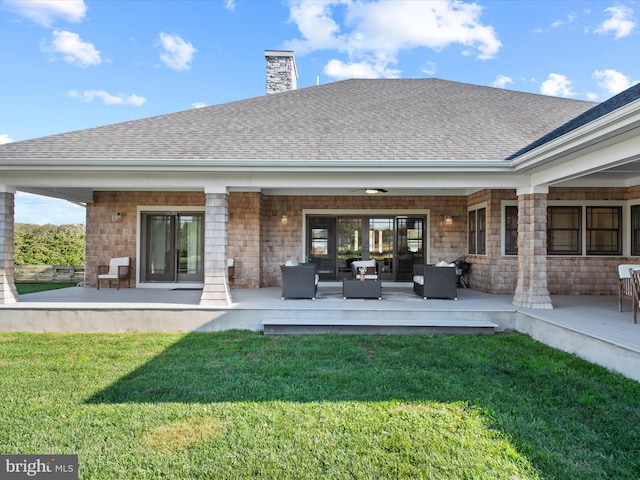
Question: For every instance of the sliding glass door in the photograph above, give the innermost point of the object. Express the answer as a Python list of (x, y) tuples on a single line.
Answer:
[(395, 242), (173, 247)]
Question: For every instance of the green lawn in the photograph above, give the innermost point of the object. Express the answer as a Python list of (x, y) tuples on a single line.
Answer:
[(242, 405), (40, 287)]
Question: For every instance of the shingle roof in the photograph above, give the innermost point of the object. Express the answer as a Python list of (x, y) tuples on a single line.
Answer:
[(351, 120), (590, 115)]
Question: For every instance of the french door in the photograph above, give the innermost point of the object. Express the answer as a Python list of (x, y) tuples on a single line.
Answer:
[(173, 247), (395, 242)]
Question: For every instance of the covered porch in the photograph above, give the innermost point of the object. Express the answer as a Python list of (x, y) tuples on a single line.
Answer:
[(589, 326)]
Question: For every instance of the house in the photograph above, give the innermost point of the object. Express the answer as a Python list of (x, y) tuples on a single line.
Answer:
[(540, 193)]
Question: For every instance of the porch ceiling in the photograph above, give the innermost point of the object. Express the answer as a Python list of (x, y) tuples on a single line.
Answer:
[(627, 174), (74, 195)]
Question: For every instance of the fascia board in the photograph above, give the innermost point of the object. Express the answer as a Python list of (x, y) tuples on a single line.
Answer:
[(260, 180), (234, 165)]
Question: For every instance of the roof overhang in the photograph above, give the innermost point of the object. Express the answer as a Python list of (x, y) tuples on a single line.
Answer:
[(604, 152), (273, 178)]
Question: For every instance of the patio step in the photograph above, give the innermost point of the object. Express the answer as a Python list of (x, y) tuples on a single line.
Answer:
[(290, 326)]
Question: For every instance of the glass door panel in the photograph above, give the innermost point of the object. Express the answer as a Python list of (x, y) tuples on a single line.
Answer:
[(160, 248), (190, 248), (381, 245), (350, 244), (410, 244), (321, 246)]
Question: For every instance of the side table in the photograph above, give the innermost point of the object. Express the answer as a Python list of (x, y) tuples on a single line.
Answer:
[(352, 288)]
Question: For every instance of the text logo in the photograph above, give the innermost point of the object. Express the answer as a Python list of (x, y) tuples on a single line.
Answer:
[(45, 467)]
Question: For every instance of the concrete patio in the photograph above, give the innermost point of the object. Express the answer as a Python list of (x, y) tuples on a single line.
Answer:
[(588, 326)]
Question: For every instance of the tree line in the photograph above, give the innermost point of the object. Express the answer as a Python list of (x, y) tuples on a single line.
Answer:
[(49, 244)]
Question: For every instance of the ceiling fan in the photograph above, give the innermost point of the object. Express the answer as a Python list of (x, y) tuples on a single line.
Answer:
[(370, 190)]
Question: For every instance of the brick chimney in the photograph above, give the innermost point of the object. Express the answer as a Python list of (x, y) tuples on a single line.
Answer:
[(282, 73)]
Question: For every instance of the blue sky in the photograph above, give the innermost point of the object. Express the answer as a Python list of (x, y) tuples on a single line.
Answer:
[(74, 64)]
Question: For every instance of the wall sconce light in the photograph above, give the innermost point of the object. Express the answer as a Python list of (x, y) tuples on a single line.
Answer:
[(285, 219), (116, 217), (448, 219)]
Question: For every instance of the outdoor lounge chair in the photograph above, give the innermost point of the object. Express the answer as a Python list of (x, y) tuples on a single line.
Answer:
[(118, 269), (430, 281), (625, 289), (299, 281)]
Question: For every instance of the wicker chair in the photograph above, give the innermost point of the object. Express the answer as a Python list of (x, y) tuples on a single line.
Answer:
[(118, 269), (625, 288), (299, 281), (635, 287), (430, 281), (369, 267)]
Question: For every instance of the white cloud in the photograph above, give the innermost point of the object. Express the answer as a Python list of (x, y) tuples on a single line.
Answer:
[(557, 85), (230, 5), (374, 33), (198, 105), (4, 138), (177, 53), (73, 49), (45, 12), (502, 81), (108, 98), (430, 68), (339, 70), (622, 22), (613, 81), (559, 23), (314, 22)]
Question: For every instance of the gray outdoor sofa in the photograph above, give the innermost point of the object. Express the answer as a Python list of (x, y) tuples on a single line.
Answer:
[(299, 281), (430, 281)]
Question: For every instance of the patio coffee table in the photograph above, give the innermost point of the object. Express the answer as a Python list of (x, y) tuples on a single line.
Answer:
[(352, 288)]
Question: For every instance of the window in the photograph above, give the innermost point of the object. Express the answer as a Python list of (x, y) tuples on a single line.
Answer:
[(602, 233), (563, 231), (635, 230), (482, 231), (510, 230), (478, 231), (473, 232), (604, 230)]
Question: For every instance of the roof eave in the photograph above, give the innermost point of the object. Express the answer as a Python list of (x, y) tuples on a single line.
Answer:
[(616, 123), (254, 165)]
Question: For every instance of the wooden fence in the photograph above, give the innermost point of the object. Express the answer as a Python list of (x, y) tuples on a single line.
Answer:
[(48, 274)]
